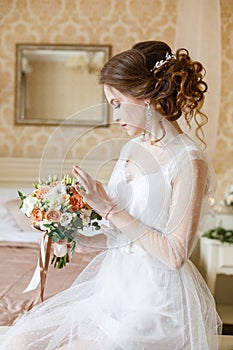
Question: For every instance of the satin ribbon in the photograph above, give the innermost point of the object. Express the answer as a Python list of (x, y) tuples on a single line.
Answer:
[(40, 273)]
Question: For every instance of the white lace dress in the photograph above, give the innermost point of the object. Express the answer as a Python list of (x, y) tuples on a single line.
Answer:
[(143, 292)]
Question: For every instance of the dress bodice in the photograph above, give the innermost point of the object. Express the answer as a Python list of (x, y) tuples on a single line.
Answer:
[(142, 180)]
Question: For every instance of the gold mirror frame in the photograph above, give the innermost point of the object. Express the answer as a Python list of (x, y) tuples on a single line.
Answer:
[(58, 84)]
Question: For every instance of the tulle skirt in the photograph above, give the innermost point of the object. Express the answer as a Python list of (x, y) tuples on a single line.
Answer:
[(124, 300)]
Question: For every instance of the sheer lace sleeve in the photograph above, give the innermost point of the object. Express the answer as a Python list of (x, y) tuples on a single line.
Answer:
[(174, 244)]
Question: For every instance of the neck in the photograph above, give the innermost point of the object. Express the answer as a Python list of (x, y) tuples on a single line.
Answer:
[(177, 127), (161, 125)]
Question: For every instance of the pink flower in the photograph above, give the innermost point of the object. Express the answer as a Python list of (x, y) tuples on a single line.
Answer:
[(53, 215)]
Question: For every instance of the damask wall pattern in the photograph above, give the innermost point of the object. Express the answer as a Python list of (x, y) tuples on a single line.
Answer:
[(119, 23), (223, 161)]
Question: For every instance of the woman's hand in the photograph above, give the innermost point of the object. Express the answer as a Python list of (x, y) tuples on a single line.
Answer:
[(92, 191)]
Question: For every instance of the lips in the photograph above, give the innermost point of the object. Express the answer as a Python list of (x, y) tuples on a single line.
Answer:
[(123, 125)]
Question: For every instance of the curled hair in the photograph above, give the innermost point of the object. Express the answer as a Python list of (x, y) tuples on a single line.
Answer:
[(176, 88)]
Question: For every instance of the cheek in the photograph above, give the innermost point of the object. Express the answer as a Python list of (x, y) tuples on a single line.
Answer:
[(135, 115)]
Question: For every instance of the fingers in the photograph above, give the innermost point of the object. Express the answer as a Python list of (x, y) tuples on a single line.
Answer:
[(77, 171), (81, 176), (86, 184)]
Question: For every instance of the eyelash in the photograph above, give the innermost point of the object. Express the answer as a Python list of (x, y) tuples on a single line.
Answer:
[(117, 106)]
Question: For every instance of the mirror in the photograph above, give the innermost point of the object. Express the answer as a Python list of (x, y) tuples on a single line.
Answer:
[(58, 84)]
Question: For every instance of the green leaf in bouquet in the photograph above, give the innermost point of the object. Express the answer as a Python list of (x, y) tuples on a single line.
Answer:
[(65, 206), (55, 238), (77, 222), (73, 246), (60, 233), (98, 217), (96, 225), (22, 197), (54, 235), (95, 215), (69, 235)]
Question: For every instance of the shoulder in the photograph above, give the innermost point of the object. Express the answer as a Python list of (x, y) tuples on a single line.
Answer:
[(185, 155), (183, 149)]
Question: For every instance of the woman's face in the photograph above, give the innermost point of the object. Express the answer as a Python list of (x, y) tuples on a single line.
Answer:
[(127, 110)]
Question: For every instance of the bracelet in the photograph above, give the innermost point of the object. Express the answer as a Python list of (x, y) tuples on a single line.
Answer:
[(107, 214)]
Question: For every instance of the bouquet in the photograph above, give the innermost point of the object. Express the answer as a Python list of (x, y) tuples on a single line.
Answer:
[(56, 208), (228, 201)]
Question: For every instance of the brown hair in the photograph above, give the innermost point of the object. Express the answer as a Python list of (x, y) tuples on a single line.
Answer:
[(176, 87)]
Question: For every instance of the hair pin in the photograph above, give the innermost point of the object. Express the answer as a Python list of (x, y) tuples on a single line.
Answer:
[(158, 64)]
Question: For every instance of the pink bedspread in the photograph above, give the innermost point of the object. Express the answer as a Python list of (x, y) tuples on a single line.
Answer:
[(17, 264)]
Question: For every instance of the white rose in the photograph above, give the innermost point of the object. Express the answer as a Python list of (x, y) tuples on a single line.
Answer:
[(85, 216), (42, 223), (65, 219), (28, 204), (54, 196)]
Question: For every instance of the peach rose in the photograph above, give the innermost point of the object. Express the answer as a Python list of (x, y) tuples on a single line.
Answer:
[(36, 215), (40, 192), (53, 215), (76, 201)]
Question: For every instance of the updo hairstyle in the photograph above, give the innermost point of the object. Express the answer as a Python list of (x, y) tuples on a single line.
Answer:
[(175, 87)]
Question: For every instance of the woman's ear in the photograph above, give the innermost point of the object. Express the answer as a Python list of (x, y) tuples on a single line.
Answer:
[(147, 101)]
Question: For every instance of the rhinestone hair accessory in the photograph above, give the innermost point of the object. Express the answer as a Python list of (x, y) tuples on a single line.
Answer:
[(158, 64)]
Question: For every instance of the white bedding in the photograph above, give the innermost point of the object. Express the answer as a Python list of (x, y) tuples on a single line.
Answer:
[(10, 228)]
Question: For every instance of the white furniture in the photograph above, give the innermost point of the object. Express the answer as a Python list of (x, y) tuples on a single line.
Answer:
[(216, 257)]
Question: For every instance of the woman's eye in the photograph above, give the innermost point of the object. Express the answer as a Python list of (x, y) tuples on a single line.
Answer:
[(117, 106)]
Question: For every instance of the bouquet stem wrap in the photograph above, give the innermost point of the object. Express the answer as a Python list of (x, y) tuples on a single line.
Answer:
[(61, 255), (60, 249)]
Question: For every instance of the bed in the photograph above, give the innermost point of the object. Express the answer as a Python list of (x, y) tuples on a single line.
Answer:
[(19, 250)]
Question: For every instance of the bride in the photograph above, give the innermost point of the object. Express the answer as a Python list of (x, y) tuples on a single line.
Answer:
[(142, 292)]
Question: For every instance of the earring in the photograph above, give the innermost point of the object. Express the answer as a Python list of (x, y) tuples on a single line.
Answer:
[(147, 132)]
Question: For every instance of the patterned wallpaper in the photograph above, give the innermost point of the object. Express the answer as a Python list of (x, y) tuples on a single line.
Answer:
[(223, 161), (119, 23)]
